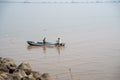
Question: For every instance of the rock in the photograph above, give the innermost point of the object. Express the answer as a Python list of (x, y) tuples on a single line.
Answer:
[(31, 77), (4, 76), (26, 67), (14, 77), (1, 78), (3, 68), (36, 75), (25, 78), (10, 71), (7, 65), (45, 76), (20, 74)]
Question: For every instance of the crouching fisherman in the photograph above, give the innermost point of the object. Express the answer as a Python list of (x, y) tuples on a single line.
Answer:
[(59, 43)]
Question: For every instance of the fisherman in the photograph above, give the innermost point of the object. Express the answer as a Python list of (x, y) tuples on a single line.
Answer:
[(58, 42), (44, 40)]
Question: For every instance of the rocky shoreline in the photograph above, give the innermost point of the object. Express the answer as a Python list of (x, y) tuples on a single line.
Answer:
[(10, 71)]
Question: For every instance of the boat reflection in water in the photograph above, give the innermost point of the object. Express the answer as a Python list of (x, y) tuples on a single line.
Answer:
[(44, 48)]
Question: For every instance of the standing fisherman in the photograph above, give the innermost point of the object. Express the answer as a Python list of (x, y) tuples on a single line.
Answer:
[(44, 40)]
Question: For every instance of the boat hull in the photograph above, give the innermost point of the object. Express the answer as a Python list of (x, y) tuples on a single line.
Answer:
[(46, 44)]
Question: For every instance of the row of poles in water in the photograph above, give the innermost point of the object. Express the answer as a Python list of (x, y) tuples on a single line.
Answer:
[(71, 1)]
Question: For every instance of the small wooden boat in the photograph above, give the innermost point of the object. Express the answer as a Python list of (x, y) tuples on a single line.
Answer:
[(46, 44)]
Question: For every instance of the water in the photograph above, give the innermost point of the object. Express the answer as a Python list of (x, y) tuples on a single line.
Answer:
[(91, 33)]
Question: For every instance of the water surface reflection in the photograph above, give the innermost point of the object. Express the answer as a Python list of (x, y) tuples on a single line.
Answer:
[(44, 48)]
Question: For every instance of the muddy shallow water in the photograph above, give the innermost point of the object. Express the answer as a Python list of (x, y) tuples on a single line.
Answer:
[(91, 33)]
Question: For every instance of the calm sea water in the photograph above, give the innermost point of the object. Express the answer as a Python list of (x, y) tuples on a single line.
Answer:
[(91, 33)]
